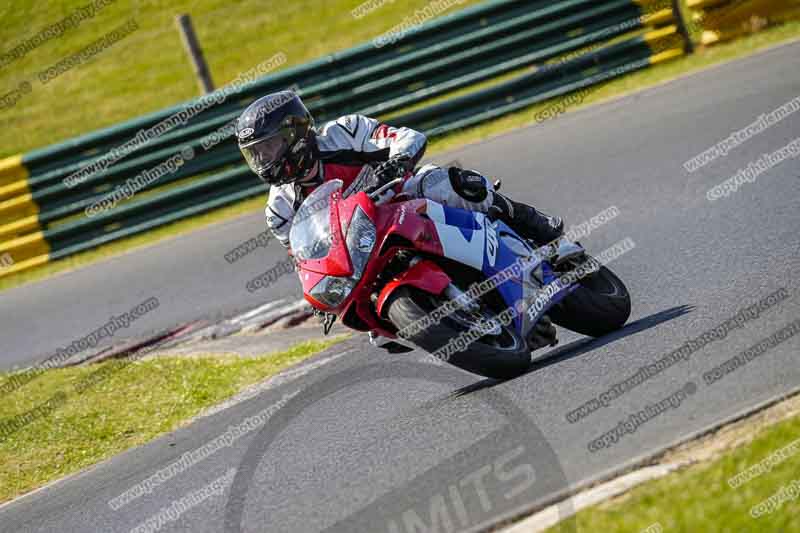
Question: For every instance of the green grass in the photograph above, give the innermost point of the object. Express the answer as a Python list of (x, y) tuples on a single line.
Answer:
[(119, 84), (133, 404), (149, 69), (700, 499)]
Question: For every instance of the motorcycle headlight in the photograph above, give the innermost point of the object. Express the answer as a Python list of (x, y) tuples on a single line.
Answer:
[(360, 240), (333, 290), (361, 236)]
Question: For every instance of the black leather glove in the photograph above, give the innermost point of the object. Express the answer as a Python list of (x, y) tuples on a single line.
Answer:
[(394, 167)]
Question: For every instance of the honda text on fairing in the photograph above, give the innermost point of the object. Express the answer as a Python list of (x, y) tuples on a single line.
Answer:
[(388, 264)]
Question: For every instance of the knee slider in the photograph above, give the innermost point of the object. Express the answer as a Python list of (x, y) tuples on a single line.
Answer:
[(470, 185)]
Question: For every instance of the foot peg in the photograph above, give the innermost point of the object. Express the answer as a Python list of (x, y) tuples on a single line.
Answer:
[(543, 334), (566, 249)]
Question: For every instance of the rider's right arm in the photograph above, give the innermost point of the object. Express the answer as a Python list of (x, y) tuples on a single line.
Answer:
[(280, 212)]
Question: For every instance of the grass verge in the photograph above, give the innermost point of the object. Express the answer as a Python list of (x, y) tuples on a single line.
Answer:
[(661, 73), (68, 430), (703, 498)]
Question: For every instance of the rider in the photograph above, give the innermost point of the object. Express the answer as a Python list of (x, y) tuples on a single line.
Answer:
[(277, 137)]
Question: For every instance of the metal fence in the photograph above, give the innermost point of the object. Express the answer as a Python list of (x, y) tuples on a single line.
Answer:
[(182, 161)]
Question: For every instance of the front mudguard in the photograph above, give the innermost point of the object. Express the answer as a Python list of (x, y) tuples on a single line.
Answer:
[(424, 275)]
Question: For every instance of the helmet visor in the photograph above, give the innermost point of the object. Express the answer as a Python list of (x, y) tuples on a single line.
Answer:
[(263, 154)]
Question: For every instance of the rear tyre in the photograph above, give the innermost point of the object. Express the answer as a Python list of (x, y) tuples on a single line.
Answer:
[(599, 306), (500, 357)]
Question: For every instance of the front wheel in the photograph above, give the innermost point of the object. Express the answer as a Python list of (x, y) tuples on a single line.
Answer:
[(501, 354), (600, 305)]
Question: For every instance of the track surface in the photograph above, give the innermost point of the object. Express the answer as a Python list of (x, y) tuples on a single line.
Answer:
[(379, 442)]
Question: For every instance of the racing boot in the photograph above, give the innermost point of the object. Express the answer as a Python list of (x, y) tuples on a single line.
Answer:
[(526, 220)]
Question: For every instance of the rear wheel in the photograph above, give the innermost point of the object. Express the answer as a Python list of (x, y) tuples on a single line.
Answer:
[(500, 354), (599, 306)]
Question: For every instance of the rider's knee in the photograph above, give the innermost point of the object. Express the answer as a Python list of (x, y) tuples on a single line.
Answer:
[(470, 185)]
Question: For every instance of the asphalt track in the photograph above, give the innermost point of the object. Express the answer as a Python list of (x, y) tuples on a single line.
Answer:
[(394, 443)]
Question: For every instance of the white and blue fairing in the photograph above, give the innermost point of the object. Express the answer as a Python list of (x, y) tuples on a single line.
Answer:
[(491, 246)]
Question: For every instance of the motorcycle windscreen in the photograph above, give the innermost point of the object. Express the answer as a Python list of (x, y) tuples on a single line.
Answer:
[(315, 238)]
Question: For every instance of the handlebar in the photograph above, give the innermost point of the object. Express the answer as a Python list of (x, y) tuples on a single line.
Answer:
[(383, 188)]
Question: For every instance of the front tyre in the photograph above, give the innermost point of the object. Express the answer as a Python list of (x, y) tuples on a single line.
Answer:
[(500, 356), (600, 305)]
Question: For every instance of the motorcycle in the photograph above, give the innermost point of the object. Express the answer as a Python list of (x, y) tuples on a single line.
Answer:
[(459, 284)]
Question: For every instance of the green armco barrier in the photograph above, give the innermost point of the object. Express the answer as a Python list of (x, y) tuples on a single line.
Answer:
[(343, 69), (355, 58), (232, 180), (469, 66), (155, 219), (455, 52), (531, 84)]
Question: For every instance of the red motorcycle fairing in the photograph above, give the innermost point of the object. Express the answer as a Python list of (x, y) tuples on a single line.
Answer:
[(404, 219), (425, 275)]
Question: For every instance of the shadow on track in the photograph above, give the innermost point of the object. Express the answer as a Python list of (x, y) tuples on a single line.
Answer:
[(582, 346)]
